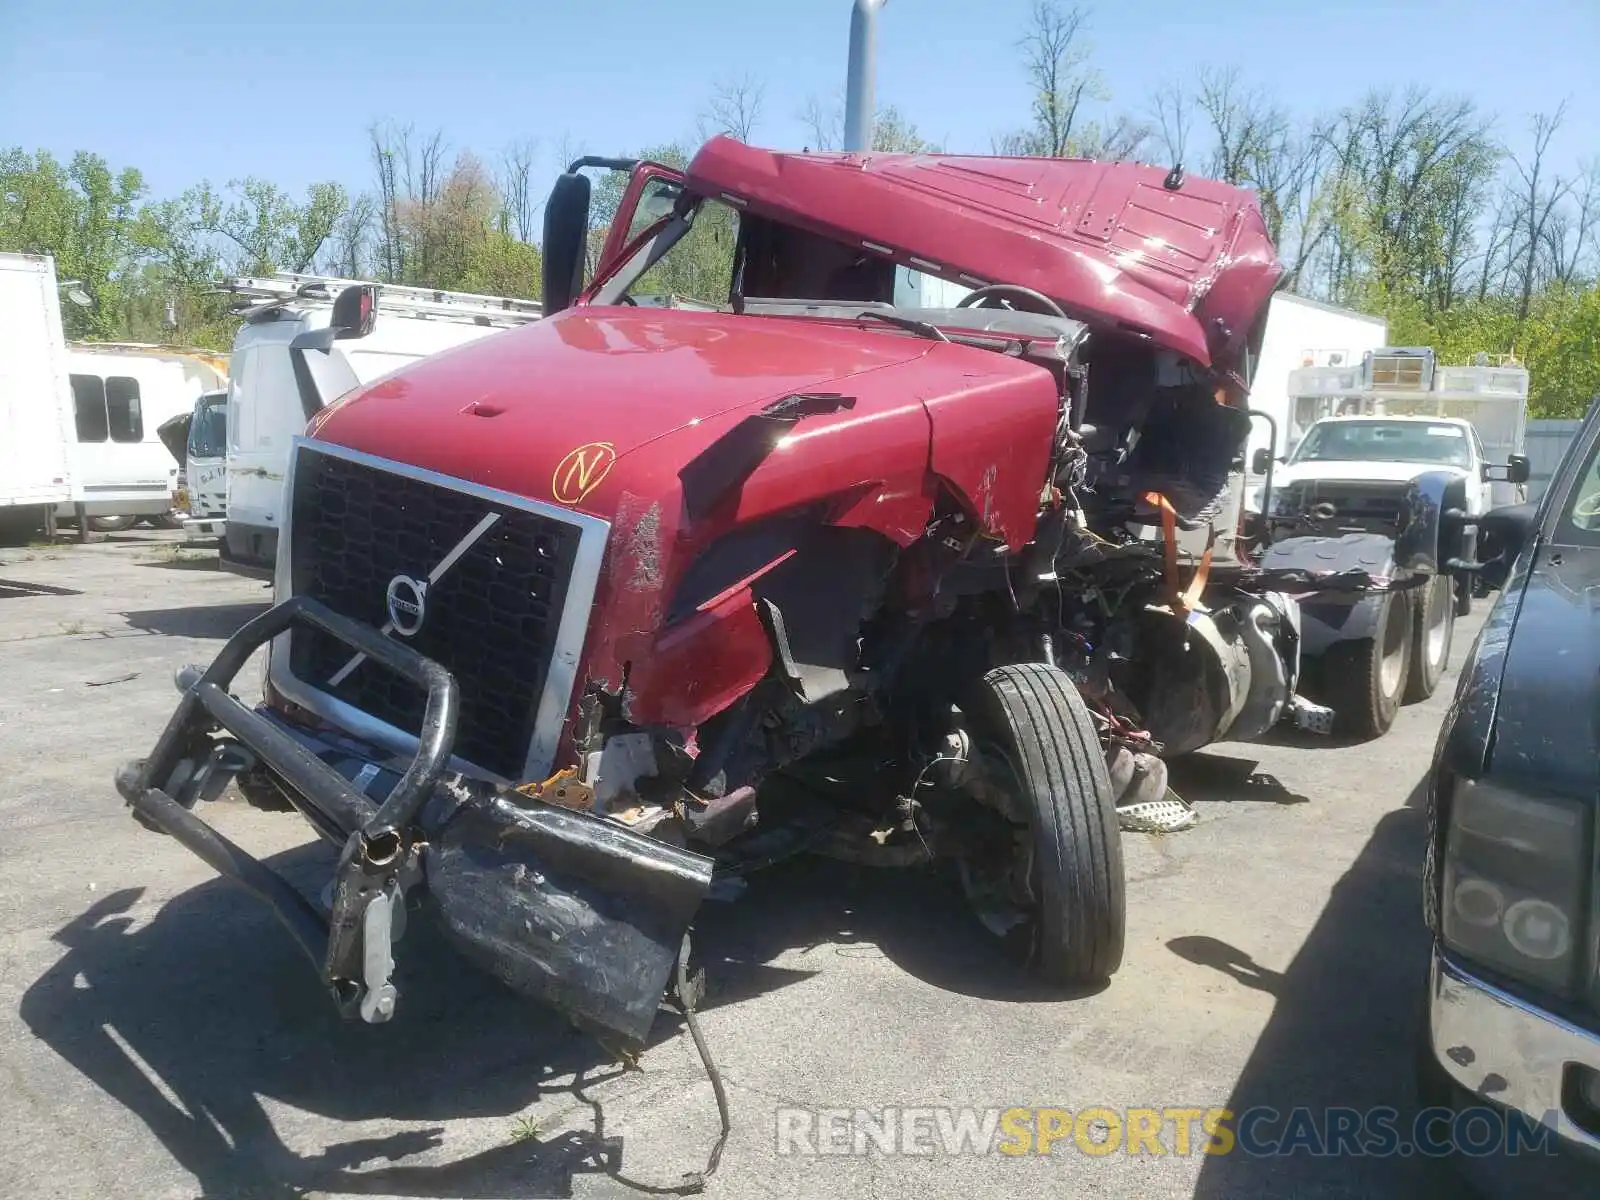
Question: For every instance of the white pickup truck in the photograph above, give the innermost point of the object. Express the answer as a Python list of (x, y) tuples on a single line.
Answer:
[(1387, 449), (1395, 498)]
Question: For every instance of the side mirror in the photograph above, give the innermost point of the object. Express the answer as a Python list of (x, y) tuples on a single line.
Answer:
[(566, 230), (174, 435), (355, 312), (1516, 470), (320, 375), (1502, 533), (1261, 461)]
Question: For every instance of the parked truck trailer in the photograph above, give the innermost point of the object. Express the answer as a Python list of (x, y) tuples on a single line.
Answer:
[(35, 396)]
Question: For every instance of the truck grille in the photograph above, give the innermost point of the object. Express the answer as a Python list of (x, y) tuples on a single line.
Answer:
[(491, 617), (1374, 506)]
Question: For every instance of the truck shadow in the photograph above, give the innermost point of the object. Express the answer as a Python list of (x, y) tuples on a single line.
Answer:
[(16, 589), (914, 917), (1343, 1030), (1214, 777), (197, 1017), (203, 1018), (215, 622)]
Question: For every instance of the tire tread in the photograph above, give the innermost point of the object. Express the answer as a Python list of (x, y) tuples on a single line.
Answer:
[(1059, 755)]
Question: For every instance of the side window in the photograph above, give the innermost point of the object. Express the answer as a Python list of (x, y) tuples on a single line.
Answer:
[(655, 202), (700, 264), (917, 289), (123, 413), (1582, 523), (89, 407)]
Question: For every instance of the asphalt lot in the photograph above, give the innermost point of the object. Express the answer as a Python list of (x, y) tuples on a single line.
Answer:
[(160, 1037)]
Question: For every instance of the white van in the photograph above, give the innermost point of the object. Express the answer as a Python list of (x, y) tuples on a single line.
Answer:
[(35, 400), (121, 394), (265, 410)]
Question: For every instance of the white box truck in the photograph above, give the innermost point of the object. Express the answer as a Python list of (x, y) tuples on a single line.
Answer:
[(35, 396), (1301, 333)]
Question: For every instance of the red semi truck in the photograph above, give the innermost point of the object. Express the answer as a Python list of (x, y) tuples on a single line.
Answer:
[(557, 611)]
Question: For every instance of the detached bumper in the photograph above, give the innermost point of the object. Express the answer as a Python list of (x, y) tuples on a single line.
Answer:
[(1510, 1052), (571, 909)]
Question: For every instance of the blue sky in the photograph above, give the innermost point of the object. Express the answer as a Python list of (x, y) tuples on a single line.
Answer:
[(285, 89)]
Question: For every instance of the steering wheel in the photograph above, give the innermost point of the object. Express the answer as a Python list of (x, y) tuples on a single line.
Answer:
[(1015, 291), (1587, 508)]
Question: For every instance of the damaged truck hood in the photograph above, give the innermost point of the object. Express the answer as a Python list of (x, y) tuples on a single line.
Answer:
[(1186, 262), (560, 410)]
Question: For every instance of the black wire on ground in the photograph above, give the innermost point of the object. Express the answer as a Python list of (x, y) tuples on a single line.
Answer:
[(696, 1183)]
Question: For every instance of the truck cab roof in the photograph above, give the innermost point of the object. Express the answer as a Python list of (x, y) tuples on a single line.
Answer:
[(1184, 262)]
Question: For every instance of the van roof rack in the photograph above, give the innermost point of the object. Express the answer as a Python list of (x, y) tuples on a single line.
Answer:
[(264, 294)]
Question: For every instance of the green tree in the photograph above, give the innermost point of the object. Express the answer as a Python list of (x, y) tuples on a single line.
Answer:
[(263, 227), (84, 215)]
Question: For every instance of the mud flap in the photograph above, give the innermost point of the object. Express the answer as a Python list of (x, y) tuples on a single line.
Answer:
[(572, 910)]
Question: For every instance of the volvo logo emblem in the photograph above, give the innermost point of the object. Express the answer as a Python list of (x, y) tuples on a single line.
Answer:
[(408, 601)]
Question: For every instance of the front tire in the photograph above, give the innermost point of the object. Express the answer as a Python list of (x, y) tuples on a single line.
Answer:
[(111, 524), (1365, 678), (1060, 898), (1431, 638)]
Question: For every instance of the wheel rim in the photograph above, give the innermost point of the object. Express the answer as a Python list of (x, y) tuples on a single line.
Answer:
[(1441, 601), (1394, 650), (1001, 885)]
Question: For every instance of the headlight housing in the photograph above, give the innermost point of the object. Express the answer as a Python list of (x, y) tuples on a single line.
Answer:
[(1515, 869)]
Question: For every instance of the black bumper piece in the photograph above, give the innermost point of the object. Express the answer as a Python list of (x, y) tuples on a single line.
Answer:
[(574, 910)]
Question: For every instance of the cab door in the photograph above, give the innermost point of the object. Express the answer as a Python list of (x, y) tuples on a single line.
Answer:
[(652, 191), (1480, 492)]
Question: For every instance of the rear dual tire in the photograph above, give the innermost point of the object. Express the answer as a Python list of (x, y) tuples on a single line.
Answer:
[(1436, 609), (1365, 679)]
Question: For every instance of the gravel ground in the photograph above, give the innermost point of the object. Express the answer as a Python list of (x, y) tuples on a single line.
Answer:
[(160, 1037)]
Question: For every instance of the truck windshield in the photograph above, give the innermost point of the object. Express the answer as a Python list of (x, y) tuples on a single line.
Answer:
[(208, 434), (1386, 441), (779, 263)]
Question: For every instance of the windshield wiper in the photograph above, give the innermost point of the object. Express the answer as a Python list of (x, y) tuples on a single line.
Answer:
[(921, 328)]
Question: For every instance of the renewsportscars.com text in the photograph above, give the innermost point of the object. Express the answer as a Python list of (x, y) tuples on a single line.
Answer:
[(1099, 1131)]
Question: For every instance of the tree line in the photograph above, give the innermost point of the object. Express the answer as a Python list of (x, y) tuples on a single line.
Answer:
[(1450, 221)]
